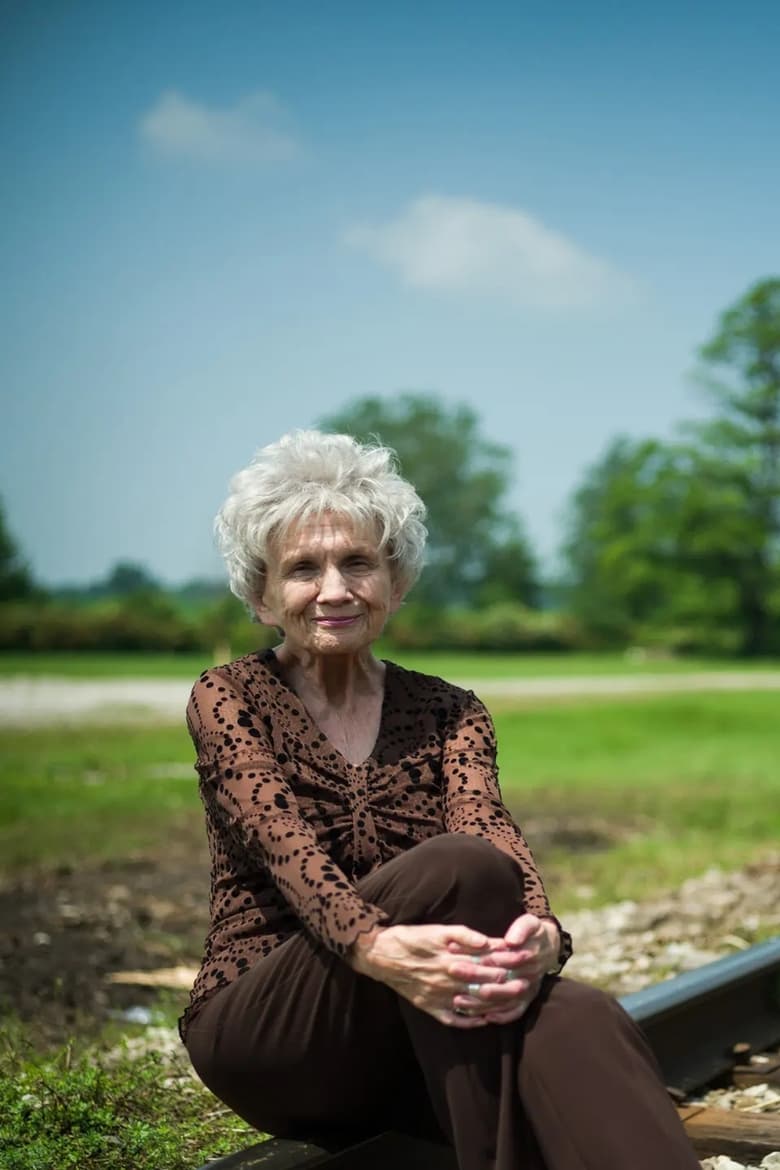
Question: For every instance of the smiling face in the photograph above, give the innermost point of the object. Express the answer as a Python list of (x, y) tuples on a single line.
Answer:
[(328, 587)]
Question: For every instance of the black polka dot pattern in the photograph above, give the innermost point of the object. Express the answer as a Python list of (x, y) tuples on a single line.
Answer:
[(292, 824)]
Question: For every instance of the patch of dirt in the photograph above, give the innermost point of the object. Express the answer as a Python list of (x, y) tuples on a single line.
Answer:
[(576, 833), (63, 932), (81, 944)]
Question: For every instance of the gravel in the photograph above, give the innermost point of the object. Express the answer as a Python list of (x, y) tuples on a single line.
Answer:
[(723, 1162), (629, 945)]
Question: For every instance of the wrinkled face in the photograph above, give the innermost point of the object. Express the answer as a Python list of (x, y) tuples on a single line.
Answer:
[(328, 587)]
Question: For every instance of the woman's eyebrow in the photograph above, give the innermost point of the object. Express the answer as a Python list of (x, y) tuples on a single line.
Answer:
[(360, 550), (306, 554), (297, 558)]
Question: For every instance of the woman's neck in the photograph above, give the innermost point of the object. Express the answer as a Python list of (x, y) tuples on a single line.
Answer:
[(338, 680)]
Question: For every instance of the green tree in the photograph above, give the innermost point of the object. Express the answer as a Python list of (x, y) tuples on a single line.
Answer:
[(612, 573), (509, 574), (16, 583), (463, 478), (643, 550), (682, 539), (738, 457), (126, 579)]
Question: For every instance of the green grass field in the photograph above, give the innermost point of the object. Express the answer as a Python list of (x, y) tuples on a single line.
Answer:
[(92, 793), (679, 781), (452, 665)]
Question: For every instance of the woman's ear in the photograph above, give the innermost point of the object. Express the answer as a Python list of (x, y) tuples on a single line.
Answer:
[(264, 614), (397, 595)]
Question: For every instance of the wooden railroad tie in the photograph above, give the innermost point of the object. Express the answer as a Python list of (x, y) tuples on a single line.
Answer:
[(746, 1137), (385, 1151)]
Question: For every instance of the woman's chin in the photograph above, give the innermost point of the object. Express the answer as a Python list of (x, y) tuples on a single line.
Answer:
[(343, 641)]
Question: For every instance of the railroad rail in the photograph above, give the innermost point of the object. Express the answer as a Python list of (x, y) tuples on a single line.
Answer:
[(698, 1022), (702, 1026)]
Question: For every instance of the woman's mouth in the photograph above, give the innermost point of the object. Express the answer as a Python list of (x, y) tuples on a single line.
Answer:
[(335, 623)]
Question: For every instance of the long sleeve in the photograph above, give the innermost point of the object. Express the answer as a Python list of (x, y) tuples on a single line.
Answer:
[(473, 802), (252, 796)]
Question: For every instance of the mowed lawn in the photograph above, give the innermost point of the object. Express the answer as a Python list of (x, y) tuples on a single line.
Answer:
[(625, 796), (665, 786), (447, 664)]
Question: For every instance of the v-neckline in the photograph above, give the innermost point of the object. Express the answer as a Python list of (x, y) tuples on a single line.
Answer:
[(320, 739)]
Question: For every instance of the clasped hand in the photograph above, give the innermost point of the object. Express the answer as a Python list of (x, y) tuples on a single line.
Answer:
[(461, 977)]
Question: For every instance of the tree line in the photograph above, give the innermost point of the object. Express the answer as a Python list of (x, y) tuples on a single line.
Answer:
[(672, 544)]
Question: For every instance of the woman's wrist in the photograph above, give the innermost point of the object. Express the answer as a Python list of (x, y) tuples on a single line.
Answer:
[(358, 957), (553, 932)]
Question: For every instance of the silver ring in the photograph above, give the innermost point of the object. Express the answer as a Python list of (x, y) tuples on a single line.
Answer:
[(459, 1012), (473, 988)]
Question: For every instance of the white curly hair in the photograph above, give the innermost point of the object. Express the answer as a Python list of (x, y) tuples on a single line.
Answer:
[(303, 475)]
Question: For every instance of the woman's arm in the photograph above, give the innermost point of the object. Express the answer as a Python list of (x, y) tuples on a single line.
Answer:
[(242, 778), (473, 804)]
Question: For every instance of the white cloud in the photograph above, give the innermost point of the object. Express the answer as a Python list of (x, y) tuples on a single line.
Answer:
[(249, 132), (465, 246)]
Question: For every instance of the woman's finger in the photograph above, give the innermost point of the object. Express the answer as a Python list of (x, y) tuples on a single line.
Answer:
[(511, 956), (467, 971), (510, 1013), (485, 974), (522, 929), (464, 938), (490, 996), (460, 1019), (506, 1014), (467, 1022)]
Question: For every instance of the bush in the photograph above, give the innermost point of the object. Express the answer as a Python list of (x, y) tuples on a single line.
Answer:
[(690, 639), (145, 621), (127, 625), (503, 626), (417, 626), (228, 631), (107, 1115), (514, 627)]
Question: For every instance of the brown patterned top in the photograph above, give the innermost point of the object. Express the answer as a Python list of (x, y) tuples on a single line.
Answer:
[(292, 824)]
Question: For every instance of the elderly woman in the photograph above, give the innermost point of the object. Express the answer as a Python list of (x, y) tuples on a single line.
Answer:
[(382, 953)]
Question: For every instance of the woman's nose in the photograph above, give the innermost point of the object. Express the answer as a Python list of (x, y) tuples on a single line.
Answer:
[(333, 585)]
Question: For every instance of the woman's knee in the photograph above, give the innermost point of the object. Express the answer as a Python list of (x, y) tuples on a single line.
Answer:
[(453, 878), (471, 859), (570, 1012)]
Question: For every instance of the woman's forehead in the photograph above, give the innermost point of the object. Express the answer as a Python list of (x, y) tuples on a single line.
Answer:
[(325, 531)]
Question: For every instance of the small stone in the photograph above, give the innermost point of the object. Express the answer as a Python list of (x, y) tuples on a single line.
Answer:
[(70, 913), (137, 1015)]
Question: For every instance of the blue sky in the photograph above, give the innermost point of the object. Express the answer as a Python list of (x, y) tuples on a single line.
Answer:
[(221, 222)]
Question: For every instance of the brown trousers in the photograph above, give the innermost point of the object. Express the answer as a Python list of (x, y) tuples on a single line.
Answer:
[(300, 1045)]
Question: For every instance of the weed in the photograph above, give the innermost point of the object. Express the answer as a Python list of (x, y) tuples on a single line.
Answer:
[(107, 1111)]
